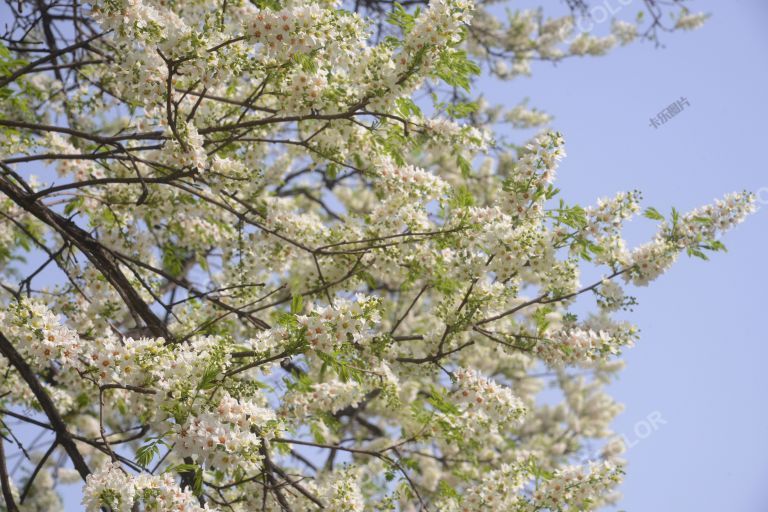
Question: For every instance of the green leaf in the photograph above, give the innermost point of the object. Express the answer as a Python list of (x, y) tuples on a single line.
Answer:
[(197, 485), (173, 261), (446, 490), (73, 205), (297, 304), (401, 18), (181, 468), (464, 165), (697, 253), (717, 245), (408, 107), (208, 380), (675, 218), (332, 170), (439, 402), (462, 197), (146, 453), (267, 4), (653, 214), (455, 68), (462, 109), (306, 62)]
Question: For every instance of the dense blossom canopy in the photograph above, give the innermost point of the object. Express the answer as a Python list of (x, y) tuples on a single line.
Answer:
[(280, 255)]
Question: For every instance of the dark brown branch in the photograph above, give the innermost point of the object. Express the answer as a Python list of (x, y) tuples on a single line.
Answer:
[(63, 435), (96, 253), (10, 503), (38, 467)]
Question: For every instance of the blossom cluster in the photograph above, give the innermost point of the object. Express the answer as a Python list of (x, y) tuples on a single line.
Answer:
[(144, 361), (693, 232), (527, 35), (577, 487), (342, 492), (409, 179), (485, 401), (187, 152), (533, 173), (224, 436), (690, 20), (444, 131), (329, 327), (583, 346), (79, 169), (609, 214), (140, 26), (499, 489), (442, 18), (587, 44), (299, 29), (514, 246), (702, 225), (651, 260), (111, 487), (323, 397), (42, 336)]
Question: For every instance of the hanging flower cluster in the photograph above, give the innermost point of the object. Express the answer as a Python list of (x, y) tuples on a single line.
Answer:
[(225, 436), (329, 327), (485, 401), (112, 488)]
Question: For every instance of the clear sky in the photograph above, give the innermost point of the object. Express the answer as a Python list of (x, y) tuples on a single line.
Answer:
[(702, 363)]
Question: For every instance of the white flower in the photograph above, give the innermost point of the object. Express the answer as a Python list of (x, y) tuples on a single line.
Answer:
[(624, 31), (690, 21), (112, 487), (485, 401)]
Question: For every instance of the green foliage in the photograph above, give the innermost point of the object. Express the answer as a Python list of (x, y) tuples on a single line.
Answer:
[(464, 166), (456, 69), (209, 379), (297, 304), (653, 214), (400, 17), (407, 108), (146, 453)]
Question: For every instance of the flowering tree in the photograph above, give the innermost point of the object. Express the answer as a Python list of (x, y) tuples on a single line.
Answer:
[(279, 256)]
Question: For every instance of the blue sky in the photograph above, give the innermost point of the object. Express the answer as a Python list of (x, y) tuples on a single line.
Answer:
[(701, 363)]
